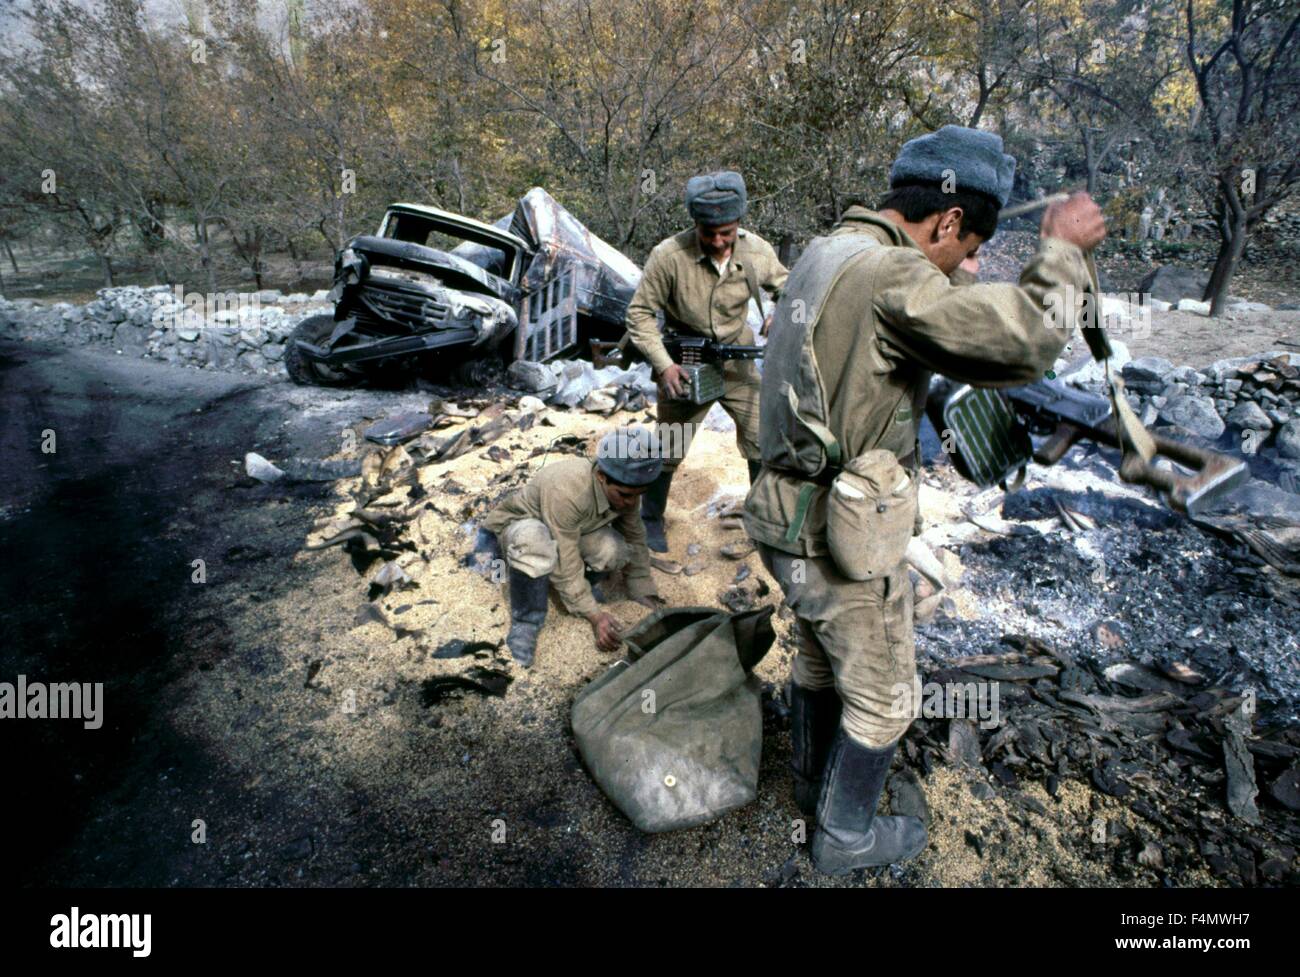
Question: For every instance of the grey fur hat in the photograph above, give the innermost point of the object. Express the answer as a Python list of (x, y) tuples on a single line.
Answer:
[(630, 456), (716, 198), (974, 157)]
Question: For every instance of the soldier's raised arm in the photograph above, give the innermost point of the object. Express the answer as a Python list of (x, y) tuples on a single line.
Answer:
[(990, 334)]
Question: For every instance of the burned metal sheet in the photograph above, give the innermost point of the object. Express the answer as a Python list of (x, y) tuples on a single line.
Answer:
[(1265, 518), (605, 277)]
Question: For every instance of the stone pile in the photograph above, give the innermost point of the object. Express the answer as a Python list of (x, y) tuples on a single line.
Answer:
[(1255, 399), (239, 332)]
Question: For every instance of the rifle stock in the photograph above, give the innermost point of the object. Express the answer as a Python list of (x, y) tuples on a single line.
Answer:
[(991, 430)]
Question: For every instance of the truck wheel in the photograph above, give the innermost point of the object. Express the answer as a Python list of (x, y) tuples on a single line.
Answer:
[(488, 366), (315, 330)]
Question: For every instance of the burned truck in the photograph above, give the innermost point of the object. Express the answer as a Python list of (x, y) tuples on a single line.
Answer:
[(434, 290)]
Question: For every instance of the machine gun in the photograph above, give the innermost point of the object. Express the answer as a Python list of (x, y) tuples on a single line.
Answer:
[(991, 440), (991, 428), (699, 356)]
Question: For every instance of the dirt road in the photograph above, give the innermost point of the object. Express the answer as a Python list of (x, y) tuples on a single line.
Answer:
[(226, 756)]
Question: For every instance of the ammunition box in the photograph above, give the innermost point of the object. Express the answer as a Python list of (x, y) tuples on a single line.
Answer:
[(703, 383), (991, 444)]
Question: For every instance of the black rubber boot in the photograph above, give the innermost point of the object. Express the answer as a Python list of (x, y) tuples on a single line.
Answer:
[(527, 613), (653, 504), (754, 468), (849, 835), (814, 718)]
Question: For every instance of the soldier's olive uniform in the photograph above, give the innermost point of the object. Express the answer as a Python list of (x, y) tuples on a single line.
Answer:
[(863, 321), (681, 281), (561, 523)]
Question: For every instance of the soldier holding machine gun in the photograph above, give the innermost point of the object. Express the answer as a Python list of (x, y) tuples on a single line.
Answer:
[(701, 280)]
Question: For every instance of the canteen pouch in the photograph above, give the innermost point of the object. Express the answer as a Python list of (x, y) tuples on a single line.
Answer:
[(870, 515)]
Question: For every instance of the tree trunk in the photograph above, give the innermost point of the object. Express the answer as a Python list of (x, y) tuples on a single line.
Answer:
[(785, 248), (106, 264), (982, 77), (1233, 227), (1090, 161), (12, 260), (205, 254), (1230, 251), (258, 265)]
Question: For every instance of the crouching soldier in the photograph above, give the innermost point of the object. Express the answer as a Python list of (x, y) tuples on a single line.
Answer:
[(701, 281), (868, 313), (575, 522)]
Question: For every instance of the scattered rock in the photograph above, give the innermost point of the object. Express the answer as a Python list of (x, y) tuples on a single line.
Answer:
[(1195, 414), (1286, 789), (1287, 440), (390, 575), (1151, 856), (1240, 766), (1146, 373), (1248, 415), (738, 551), (1173, 282), (259, 468), (963, 743)]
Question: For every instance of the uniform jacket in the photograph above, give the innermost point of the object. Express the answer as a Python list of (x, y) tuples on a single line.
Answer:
[(566, 496), (680, 281), (888, 321)]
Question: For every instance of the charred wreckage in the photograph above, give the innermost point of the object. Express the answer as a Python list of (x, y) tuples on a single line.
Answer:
[(535, 285)]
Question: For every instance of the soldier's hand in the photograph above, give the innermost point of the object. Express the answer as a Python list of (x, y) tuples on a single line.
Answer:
[(606, 629), (674, 379), (767, 324), (1078, 220), (652, 601)]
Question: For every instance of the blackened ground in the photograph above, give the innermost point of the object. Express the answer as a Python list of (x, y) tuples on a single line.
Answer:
[(222, 698), (97, 541), (1162, 589)]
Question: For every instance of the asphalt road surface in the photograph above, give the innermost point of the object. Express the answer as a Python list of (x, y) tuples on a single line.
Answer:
[(97, 540)]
